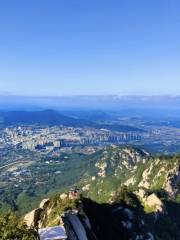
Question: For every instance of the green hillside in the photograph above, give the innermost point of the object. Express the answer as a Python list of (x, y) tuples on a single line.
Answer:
[(123, 191)]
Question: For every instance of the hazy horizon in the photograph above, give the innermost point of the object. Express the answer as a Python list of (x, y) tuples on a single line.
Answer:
[(9, 94), (92, 102)]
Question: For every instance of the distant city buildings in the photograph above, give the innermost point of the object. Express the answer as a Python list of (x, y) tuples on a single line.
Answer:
[(59, 138), (46, 139)]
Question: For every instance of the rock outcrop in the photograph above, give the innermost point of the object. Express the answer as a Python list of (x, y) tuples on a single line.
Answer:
[(32, 218), (172, 182), (154, 202), (44, 203)]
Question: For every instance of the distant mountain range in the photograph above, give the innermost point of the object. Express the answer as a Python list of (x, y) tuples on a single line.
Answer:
[(48, 117), (52, 118)]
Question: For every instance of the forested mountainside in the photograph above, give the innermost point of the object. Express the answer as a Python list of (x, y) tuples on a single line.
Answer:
[(124, 193), (131, 167)]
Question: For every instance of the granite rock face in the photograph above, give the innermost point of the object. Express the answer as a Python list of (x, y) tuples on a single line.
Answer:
[(32, 218), (155, 202)]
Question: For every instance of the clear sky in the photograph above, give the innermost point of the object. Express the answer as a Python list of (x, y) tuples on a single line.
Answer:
[(79, 47)]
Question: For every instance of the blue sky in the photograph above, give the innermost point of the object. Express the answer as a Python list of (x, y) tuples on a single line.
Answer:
[(79, 47)]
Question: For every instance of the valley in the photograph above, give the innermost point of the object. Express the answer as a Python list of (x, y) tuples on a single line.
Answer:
[(114, 166)]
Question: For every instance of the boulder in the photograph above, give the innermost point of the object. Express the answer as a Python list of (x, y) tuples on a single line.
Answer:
[(156, 203), (141, 193), (43, 204), (63, 196), (86, 187), (32, 218)]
